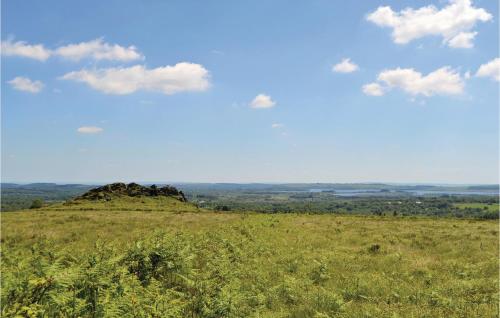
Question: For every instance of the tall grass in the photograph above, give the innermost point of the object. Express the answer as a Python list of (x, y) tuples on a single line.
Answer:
[(160, 264)]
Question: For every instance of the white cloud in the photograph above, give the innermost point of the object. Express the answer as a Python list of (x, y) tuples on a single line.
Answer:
[(26, 85), (98, 50), (262, 101), (89, 130), (490, 69), (373, 89), (443, 81), (37, 51), (463, 40), (277, 126), (345, 66), (182, 77), (452, 22)]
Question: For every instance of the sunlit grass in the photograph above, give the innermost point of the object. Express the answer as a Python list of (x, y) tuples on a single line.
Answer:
[(490, 207), (291, 264)]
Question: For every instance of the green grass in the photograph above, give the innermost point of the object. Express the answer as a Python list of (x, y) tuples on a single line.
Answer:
[(209, 264), (125, 203)]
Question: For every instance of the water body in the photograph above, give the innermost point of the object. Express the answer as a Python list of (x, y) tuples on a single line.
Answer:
[(371, 192)]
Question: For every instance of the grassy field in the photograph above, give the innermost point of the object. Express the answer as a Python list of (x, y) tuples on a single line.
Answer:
[(149, 258), (490, 207)]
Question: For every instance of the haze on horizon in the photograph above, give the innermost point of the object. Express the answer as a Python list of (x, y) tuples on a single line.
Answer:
[(99, 92)]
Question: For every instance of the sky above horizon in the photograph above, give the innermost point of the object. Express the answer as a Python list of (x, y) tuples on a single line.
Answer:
[(250, 91)]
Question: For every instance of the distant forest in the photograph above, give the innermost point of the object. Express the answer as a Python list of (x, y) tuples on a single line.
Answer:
[(366, 199)]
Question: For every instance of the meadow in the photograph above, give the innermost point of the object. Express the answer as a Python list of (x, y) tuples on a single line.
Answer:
[(477, 205), (158, 257)]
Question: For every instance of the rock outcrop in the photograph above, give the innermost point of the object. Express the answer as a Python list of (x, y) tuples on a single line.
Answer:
[(109, 191)]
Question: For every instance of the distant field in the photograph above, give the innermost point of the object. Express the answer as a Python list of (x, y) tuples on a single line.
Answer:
[(84, 260), (490, 207)]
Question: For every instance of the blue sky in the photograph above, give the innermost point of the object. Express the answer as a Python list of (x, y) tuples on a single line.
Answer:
[(250, 91)]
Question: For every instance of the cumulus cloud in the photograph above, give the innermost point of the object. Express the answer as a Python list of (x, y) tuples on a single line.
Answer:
[(96, 49), (443, 81), (453, 22), (262, 101), (23, 49), (463, 40), (345, 66), (490, 69), (373, 89), (182, 77), (26, 85), (90, 130), (277, 126)]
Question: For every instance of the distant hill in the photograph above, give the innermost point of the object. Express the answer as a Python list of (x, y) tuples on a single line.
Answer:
[(332, 187), (488, 187), (128, 197), (20, 196)]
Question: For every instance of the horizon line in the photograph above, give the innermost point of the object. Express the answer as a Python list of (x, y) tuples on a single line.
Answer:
[(252, 182)]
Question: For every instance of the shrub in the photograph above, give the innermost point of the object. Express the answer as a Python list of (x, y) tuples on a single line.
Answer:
[(36, 204), (374, 248)]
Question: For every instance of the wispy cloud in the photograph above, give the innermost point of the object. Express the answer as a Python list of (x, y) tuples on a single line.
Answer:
[(217, 52), (373, 89), (89, 130), (182, 77), (98, 50), (26, 85), (95, 49), (23, 49)]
